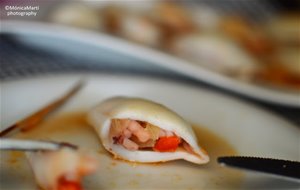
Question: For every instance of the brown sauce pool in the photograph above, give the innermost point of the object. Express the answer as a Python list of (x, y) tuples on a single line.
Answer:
[(73, 128)]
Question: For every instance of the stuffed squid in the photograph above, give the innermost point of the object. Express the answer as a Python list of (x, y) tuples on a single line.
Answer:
[(140, 130), (62, 169)]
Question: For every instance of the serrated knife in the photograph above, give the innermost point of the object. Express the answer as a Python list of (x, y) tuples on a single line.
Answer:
[(287, 169)]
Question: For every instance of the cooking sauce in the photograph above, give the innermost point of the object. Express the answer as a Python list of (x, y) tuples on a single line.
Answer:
[(73, 128)]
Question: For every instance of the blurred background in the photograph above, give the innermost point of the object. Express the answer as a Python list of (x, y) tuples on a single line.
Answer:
[(256, 42)]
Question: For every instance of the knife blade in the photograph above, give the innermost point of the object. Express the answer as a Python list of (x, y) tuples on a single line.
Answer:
[(32, 145), (32, 120), (290, 170)]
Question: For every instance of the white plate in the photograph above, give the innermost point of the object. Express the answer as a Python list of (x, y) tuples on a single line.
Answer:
[(81, 41), (249, 130)]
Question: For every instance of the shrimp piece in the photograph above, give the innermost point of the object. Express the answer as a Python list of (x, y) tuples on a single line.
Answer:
[(130, 145), (138, 131), (127, 133)]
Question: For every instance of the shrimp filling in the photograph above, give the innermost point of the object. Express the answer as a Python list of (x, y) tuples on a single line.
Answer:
[(136, 135)]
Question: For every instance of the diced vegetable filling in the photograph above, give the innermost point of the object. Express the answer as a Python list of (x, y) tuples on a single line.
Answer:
[(135, 135), (67, 184), (167, 144)]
